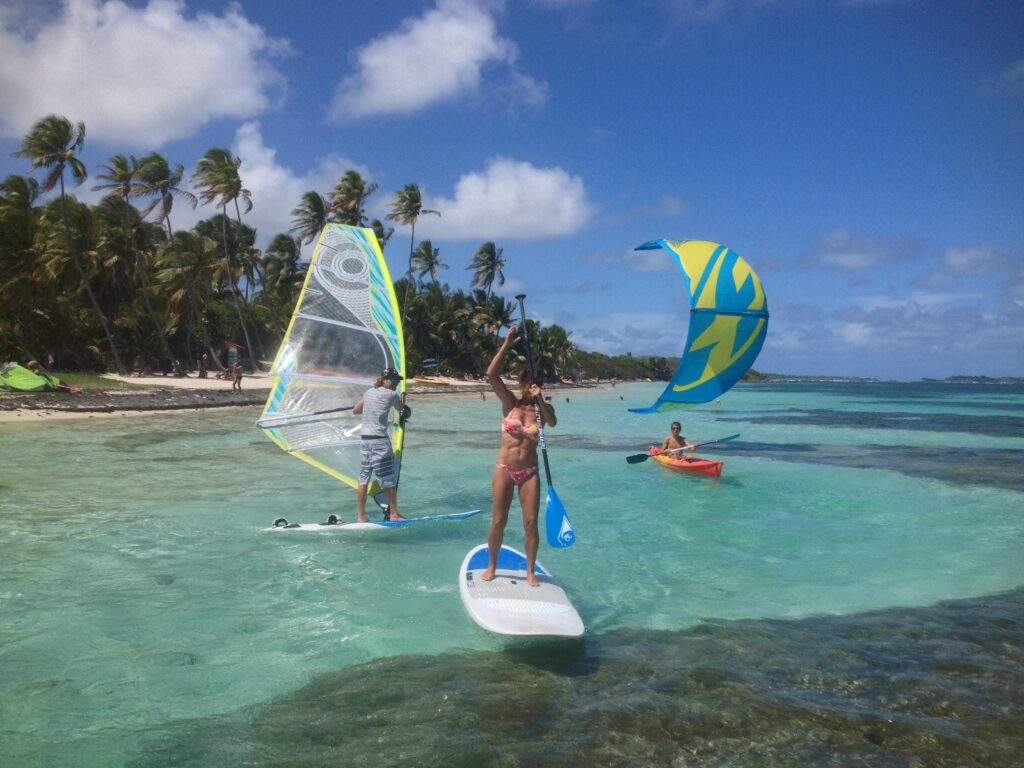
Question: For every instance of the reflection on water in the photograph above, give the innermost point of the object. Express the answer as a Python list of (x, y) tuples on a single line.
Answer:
[(938, 686)]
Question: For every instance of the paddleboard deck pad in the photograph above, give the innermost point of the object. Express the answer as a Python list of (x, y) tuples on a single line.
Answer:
[(281, 524), (507, 605)]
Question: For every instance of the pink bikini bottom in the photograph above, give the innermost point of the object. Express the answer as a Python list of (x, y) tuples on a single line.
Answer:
[(519, 475)]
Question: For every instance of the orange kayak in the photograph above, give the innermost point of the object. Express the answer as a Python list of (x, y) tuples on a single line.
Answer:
[(697, 466)]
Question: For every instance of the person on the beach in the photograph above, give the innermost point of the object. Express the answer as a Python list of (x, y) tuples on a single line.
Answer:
[(236, 377), (517, 459), (376, 453), (204, 363), (36, 368), (675, 443)]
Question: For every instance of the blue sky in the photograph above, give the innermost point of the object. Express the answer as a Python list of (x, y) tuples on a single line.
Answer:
[(867, 157)]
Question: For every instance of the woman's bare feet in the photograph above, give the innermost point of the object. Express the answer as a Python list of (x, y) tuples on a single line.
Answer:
[(531, 579), (487, 575)]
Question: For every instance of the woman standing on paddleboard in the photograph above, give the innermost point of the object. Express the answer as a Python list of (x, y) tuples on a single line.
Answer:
[(517, 459)]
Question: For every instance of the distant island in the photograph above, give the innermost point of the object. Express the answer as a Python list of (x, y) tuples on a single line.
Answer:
[(769, 378), (976, 379)]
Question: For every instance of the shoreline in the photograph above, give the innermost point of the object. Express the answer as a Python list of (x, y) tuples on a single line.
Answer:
[(178, 397)]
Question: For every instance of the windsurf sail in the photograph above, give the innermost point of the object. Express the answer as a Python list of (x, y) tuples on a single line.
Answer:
[(345, 330), (728, 322)]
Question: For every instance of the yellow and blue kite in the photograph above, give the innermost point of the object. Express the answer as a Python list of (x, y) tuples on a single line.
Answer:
[(728, 322)]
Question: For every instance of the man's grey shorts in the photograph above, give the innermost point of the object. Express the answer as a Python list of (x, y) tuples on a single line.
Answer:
[(377, 459)]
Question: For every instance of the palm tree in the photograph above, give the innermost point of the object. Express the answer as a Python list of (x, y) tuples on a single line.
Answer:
[(282, 264), (485, 316), (553, 352), (157, 180), (187, 266), (122, 176), (488, 264), (309, 217), (382, 233), (19, 288), (285, 275), (347, 198), (426, 259), (406, 208), (53, 143), (217, 179)]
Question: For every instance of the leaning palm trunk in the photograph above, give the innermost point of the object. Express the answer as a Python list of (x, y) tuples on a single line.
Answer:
[(405, 307), (201, 322), (141, 267), (235, 293), (255, 327), (151, 312), (85, 282)]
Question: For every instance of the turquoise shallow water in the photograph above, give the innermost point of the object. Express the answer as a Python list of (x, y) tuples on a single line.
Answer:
[(140, 597)]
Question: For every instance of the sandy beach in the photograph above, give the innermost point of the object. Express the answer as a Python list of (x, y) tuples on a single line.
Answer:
[(160, 394)]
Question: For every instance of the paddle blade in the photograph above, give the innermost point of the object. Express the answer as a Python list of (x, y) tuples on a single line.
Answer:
[(636, 458), (559, 530)]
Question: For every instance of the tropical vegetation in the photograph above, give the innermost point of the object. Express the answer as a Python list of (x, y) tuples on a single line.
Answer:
[(114, 286)]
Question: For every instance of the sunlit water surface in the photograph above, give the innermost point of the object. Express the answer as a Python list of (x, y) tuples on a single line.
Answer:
[(142, 602)]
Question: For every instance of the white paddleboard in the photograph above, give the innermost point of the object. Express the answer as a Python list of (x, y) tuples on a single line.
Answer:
[(508, 605), (378, 525)]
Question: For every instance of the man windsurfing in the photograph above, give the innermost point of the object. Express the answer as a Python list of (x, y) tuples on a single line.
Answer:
[(377, 457)]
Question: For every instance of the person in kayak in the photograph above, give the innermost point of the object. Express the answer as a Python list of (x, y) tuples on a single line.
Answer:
[(675, 444), (516, 467), (376, 454)]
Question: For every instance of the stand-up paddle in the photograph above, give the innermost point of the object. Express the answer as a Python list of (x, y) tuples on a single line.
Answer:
[(636, 458), (559, 530)]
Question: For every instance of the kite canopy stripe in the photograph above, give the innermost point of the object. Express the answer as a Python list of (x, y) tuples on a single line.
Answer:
[(728, 322)]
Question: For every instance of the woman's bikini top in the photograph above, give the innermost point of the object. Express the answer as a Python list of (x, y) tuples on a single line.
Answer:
[(514, 427)]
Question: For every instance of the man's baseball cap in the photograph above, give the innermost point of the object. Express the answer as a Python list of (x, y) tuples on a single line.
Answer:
[(392, 374)]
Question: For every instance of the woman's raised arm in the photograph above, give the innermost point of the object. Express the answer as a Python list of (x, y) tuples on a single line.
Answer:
[(494, 369)]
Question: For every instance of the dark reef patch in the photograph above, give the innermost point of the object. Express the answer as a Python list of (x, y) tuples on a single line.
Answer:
[(992, 426), (939, 686), (994, 467)]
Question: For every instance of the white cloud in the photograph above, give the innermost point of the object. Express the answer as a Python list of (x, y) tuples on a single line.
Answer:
[(671, 205), (560, 5), (511, 200), (919, 299), (649, 261), (138, 75), (963, 263), (958, 263), (848, 253), (1013, 290), (967, 259), (699, 11), (431, 58), (1010, 82), (642, 333), (277, 189), (511, 288), (857, 334)]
